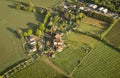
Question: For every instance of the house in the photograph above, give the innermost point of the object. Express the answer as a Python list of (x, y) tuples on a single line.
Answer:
[(58, 44), (105, 11), (101, 8), (65, 7), (57, 36), (90, 5), (33, 42), (81, 8), (95, 6)]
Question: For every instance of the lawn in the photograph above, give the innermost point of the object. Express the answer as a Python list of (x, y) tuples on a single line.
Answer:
[(70, 57), (114, 35), (38, 70), (11, 50), (102, 62)]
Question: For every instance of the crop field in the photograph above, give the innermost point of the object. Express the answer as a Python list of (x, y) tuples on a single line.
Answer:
[(114, 35), (102, 62), (38, 70), (70, 57)]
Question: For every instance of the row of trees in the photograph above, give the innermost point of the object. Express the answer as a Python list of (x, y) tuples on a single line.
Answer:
[(22, 34), (26, 6)]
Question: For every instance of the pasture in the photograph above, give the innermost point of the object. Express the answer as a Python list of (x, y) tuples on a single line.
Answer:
[(38, 70), (45, 3), (70, 57), (114, 35), (102, 62), (11, 50)]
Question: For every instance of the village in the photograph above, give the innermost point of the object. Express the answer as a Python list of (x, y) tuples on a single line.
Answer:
[(91, 7)]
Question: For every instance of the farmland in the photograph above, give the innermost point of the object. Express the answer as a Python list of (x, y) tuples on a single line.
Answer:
[(70, 57), (114, 35), (81, 56), (102, 62), (38, 70)]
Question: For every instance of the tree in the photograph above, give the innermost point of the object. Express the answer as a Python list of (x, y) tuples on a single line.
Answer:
[(42, 27), (38, 33), (30, 32), (25, 34), (30, 4)]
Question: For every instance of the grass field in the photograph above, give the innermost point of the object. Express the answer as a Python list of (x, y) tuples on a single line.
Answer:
[(102, 62), (114, 35), (38, 70), (45, 3), (70, 57), (11, 50)]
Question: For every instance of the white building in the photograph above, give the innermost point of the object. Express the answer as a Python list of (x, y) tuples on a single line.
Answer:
[(95, 6), (105, 11), (101, 8), (81, 8)]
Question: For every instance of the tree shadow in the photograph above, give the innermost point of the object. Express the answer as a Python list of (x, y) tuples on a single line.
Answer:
[(12, 31), (12, 6), (39, 17), (32, 25)]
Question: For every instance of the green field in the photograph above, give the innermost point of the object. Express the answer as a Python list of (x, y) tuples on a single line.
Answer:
[(70, 57), (114, 35), (38, 70), (11, 50), (102, 62), (44, 3)]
